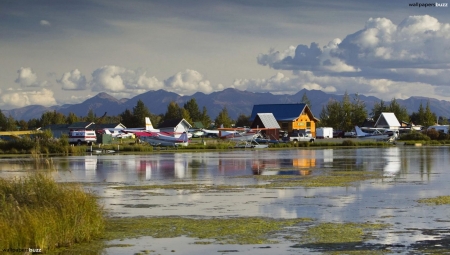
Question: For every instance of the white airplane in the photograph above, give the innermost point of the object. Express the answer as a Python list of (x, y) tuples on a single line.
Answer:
[(118, 134), (159, 139), (387, 135)]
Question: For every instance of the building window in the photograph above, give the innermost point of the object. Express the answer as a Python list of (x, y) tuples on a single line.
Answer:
[(284, 125), (308, 124)]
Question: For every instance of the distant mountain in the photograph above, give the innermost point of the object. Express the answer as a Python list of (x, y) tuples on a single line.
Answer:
[(237, 102)]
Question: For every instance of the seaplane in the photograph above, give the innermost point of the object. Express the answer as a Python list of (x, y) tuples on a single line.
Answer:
[(244, 138), (157, 138), (387, 135)]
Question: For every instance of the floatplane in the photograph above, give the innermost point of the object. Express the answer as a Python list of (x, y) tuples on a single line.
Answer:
[(157, 138), (243, 137), (377, 134)]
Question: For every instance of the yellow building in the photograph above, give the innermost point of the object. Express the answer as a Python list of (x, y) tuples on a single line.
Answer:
[(290, 117)]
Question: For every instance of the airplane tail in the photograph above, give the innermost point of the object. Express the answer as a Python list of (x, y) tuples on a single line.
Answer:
[(359, 132), (148, 124), (184, 137)]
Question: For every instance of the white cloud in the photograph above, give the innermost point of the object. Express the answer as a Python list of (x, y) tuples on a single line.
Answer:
[(73, 80), (26, 77), (44, 23), (189, 82), (411, 51), (279, 83), (24, 98), (116, 79)]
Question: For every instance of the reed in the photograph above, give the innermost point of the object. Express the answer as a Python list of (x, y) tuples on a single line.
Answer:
[(37, 212)]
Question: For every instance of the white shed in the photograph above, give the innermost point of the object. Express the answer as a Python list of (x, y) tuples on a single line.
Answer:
[(387, 120)]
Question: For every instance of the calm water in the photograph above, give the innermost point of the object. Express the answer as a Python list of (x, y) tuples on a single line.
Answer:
[(410, 173)]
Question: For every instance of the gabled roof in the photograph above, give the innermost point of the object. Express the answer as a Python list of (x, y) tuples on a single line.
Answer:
[(198, 124), (56, 126), (280, 111), (268, 120), (109, 125), (172, 123), (390, 119), (80, 125)]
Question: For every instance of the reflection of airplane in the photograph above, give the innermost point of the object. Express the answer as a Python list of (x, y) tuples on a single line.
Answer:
[(387, 135), (393, 164)]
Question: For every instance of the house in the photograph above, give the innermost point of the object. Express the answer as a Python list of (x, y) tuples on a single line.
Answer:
[(289, 116), (268, 124), (387, 120), (175, 126), (114, 128), (58, 129), (81, 125)]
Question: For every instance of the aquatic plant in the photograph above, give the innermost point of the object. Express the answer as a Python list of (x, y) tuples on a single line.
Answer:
[(242, 230), (440, 200), (38, 212)]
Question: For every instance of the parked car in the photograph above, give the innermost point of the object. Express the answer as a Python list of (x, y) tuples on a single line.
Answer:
[(299, 137), (338, 133)]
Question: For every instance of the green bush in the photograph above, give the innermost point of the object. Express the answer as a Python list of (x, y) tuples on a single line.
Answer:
[(40, 213), (414, 136)]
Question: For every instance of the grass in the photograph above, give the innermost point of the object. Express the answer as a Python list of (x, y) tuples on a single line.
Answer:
[(331, 179), (251, 230), (440, 200), (40, 213), (340, 232)]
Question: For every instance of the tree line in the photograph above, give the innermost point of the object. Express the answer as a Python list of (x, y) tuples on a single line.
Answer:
[(341, 115), (348, 113), (133, 118)]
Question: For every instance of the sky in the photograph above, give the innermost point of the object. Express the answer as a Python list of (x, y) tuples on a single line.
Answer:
[(64, 52)]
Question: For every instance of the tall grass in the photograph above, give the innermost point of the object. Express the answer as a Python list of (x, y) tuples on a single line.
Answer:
[(37, 212)]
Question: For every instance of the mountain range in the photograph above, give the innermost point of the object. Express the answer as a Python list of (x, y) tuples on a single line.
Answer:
[(237, 102)]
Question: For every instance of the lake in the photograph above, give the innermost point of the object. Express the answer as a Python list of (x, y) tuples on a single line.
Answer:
[(407, 174)]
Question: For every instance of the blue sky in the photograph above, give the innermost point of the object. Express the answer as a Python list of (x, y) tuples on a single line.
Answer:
[(57, 52)]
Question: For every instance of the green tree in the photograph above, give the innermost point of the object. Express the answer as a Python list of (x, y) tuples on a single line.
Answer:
[(205, 119), (243, 120), (11, 124), (127, 119), (173, 111), (71, 118), (34, 124), (344, 115), (223, 119), (185, 115), (23, 125), (429, 117), (140, 111), (400, 111), (305, 100), (192, 107), (91, 117), (3, 121), (418, 118)]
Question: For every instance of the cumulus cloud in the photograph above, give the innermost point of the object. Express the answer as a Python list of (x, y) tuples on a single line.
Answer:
[(190, 82), (381, 50), (44, 23), (279, 83), (28, 78), (24, 98), (116, 79), (73, 80)]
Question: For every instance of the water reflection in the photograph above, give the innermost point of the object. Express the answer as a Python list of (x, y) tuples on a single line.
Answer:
[(410, 173)]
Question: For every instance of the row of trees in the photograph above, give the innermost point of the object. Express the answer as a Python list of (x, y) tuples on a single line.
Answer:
[(130, 118), (343, 115), (346, 114)]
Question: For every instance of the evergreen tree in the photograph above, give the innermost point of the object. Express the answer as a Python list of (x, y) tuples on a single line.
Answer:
[(223, 119), (185, 115), (71, 118), (243, 121), (23, 125), (194, 112), (173, 111), (91, 116), (305, 100), (429, 117), (205, 119), (11, 124), (3, 121), (140, 111), (127, 119), (34, 124)]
